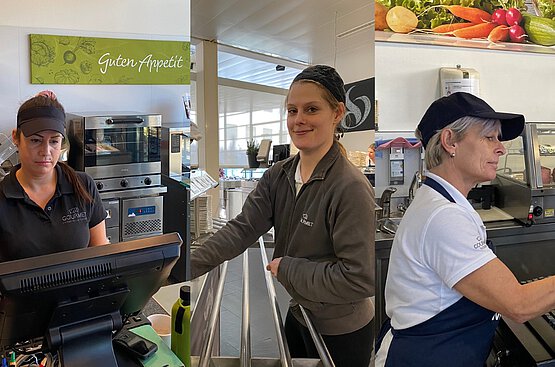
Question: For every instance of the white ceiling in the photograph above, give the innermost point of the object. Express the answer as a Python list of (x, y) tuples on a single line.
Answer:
[(297, 32)]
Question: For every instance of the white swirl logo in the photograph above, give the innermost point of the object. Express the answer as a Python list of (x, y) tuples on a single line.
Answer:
[(358, 115)]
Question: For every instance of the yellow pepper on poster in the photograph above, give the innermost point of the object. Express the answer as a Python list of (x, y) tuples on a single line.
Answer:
[(89, 60)]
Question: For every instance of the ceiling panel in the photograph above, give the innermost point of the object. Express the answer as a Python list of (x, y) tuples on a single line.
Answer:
[(296, 30), (254, 71)]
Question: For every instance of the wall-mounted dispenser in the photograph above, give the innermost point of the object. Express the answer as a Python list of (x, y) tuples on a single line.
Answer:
[(459, 79)]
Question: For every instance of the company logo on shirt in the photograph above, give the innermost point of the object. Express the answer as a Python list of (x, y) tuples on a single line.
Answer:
[(496, 317), (74, 215), (480, 244), (304, 220)]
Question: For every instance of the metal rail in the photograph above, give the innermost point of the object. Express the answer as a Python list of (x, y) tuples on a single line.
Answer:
[(245, 355), (323, 352), (245, 359), (316, 337), (206, 353), (201, 291), (284, 355)]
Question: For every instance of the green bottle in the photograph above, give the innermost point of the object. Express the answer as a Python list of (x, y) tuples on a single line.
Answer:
[(181, 326)]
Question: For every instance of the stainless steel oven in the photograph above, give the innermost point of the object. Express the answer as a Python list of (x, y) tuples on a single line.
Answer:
[(121, 152)]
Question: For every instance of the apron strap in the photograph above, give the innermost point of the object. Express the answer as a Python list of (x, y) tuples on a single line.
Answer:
[(440, 189)]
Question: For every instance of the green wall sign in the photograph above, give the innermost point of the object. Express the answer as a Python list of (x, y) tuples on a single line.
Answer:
[(88, 60)]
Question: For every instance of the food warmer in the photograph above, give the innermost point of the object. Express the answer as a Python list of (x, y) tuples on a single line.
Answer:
[(526, 175)]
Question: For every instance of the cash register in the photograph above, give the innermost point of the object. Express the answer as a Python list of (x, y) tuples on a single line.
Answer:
[(76, 303)]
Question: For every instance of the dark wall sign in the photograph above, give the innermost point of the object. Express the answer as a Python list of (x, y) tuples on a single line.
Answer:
[(360, 104)]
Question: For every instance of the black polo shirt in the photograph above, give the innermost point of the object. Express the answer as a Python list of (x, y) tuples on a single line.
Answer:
[(27, 230)]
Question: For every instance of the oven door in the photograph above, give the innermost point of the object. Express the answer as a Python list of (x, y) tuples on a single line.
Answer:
[(122, 151)]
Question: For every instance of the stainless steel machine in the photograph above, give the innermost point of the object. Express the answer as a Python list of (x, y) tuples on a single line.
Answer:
[(175, 159), (525, 182), (175, 152), (121, 152)]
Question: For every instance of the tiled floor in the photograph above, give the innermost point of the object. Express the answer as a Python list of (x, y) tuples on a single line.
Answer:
[(263, 335)]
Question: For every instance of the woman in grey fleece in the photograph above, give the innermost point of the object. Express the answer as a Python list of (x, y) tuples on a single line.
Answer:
[(322, 209)]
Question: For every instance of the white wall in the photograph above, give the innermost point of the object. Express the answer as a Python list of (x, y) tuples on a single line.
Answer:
[(140, 19), (162, 17), (354, 60), (407, 82)]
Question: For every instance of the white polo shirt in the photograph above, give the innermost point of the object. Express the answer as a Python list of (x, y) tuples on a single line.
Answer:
[(437, 244)]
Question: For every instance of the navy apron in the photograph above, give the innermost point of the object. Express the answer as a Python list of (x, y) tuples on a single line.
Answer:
[(461, 335)]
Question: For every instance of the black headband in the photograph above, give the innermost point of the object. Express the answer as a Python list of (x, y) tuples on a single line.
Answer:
[(327, 77)]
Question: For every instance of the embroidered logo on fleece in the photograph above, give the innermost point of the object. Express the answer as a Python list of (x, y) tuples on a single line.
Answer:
[(74, 215), (304, 220)]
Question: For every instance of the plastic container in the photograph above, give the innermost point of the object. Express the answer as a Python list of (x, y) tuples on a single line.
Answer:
[(181, 326), (7, 148)]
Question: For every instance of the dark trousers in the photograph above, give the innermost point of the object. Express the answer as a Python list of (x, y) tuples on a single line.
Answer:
[(346, 350)]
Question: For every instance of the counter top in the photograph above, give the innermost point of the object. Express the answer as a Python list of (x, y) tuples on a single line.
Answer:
[(499, 231), (167, 295)]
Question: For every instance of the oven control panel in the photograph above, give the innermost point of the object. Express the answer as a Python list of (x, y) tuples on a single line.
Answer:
[(132, 182)]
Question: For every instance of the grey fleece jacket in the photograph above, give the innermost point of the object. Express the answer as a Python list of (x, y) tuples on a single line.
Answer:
[(324, 234)]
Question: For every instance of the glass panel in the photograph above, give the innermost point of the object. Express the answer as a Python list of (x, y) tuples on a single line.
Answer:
[(105, 147), (262, 116), (546, 141), (265, 131), (239, 119), (233, 158), (233, 172), (236, 145), (513, 164), (238, 125), (236, 132)]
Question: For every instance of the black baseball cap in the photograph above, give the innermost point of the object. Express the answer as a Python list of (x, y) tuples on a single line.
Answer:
[(327, 76), (446, 110), (35, 119)]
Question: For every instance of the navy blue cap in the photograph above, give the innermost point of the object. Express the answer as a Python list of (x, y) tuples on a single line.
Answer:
[(447, 110)]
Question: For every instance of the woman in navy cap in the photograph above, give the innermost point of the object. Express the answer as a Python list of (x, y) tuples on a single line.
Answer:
[(322, 209), (445, 287), (46, 206)]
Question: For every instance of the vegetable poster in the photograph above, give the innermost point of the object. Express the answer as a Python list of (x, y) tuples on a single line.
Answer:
[(503, 24), (89, 60)]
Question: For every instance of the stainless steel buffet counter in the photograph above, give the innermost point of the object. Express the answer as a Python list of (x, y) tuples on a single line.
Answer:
[(528, 251)]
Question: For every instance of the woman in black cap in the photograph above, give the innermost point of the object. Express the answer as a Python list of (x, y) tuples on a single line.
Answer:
[(46, 206), (445, 287), (322, 209)]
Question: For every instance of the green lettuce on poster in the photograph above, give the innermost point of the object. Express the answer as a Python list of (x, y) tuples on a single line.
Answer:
[(545, 8)]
